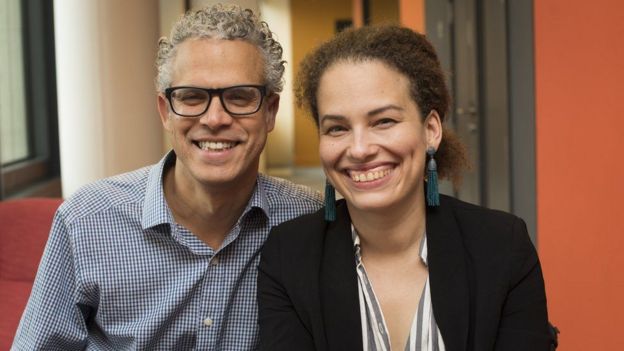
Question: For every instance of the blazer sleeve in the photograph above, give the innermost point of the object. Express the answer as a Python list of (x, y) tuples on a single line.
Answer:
[(280, 326), (524, 318)]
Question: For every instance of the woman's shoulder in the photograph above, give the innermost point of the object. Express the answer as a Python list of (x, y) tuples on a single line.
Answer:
[(465, 211), (307, 233), (483, 226)]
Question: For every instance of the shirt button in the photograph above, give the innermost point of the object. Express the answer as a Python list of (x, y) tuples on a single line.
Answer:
[(208, 322), (214, 261)]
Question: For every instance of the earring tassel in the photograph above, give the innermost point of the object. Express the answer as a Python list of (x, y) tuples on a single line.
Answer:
[(433, 196), (330, 202)]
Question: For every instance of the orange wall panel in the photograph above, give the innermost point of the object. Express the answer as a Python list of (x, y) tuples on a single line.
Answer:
[(579, 67), (412, 14)]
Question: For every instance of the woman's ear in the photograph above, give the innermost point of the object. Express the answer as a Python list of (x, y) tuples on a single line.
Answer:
[(433, 129)]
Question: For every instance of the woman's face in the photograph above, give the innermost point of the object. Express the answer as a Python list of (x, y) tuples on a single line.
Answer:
[(373, 141)]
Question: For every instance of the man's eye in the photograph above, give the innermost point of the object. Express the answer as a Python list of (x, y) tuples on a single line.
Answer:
[(242, 96), (241, 100), (190, 98)]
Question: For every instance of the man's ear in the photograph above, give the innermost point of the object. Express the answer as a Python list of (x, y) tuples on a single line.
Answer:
[(272, 105), (433, 129), (163, 111)]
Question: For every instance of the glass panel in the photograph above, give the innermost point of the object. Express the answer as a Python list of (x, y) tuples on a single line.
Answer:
[(13, 123)]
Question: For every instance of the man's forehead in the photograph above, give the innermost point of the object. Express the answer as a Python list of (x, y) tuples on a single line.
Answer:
[(220, 59), (194, 47)]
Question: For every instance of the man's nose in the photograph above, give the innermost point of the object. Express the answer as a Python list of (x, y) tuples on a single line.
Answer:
[(216, 116)]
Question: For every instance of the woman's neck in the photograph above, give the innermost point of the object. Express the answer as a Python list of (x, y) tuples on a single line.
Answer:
[(391, 231)]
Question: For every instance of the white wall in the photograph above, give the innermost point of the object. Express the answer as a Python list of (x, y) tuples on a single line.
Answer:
[(169, 12), (108, 122)]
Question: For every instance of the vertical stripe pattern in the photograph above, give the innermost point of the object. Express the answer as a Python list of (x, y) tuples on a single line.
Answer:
[(424, 333)]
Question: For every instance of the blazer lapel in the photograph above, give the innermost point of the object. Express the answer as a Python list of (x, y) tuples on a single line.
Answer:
[(448, 276), (338, 281)]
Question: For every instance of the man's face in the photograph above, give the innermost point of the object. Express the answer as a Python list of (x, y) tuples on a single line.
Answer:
[(217, 149)]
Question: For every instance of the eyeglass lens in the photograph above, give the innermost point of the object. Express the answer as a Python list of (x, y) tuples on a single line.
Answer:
[(236, 100)]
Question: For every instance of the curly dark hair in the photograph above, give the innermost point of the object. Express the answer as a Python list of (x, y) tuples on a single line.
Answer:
[(404, 50)]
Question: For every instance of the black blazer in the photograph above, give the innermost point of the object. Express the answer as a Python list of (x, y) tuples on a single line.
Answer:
[(486, 282)]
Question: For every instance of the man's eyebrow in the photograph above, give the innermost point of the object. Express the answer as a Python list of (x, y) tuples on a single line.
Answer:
[(384, 109)]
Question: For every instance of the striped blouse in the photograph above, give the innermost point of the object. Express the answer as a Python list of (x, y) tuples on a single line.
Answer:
[(424, 333)]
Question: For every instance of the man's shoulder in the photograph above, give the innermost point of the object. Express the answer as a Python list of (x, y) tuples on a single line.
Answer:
[(282, 192), (287, 200), (103, 194)]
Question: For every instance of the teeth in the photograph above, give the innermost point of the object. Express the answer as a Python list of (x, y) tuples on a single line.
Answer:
[(369, 176), (215, 146)]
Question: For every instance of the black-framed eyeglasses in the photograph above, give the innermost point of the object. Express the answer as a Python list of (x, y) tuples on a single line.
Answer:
[(238, 100)]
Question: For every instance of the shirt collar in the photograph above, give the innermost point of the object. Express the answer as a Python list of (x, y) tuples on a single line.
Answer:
[(358, 256), (155, 208), (259, 197)]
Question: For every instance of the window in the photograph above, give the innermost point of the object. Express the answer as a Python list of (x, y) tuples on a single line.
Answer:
[(29, 157)]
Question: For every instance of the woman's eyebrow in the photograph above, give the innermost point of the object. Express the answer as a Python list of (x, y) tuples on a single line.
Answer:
[(370, 113), (332, 118), (384, 109)]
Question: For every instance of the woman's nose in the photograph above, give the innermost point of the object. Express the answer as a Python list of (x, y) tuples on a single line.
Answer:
[(362, 147)]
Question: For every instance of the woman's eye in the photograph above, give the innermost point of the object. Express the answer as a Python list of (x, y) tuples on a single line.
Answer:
[(385, 122), (334, 130)]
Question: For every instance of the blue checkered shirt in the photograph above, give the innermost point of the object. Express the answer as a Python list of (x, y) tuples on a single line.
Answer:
[(118, 273)]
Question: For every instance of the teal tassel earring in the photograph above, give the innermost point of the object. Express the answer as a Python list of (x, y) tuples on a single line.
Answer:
[(330, 202), (433, 197)]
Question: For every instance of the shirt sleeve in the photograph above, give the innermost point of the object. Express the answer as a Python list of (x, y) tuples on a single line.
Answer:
[(53, 318)]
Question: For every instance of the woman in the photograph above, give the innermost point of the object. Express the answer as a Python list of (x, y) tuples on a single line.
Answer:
[(394, 266)]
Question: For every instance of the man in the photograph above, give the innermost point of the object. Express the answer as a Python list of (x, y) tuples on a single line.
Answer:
[(165, 257)]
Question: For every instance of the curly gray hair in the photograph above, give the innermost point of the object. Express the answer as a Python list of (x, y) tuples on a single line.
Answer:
[(222, 21)]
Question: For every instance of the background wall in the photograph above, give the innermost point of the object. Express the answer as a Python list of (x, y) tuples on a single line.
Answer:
[(279, 148), (313, 22), (169, 12), (385, 12), (412, 14), (108, 123), (579, 63)]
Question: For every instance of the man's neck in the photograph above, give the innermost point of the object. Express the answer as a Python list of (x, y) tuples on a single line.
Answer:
[(208, 212)]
